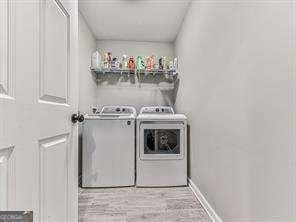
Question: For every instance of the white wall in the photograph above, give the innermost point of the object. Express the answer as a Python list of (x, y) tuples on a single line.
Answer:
[(131, 94), (87, 85), (237, 68)]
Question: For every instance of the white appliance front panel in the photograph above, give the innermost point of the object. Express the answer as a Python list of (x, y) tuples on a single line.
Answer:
[(108, 153), (176, 130)]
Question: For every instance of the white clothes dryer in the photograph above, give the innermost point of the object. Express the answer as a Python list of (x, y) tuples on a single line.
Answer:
[(161, 156)]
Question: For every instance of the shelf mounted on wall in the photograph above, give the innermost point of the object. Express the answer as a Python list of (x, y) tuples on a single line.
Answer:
[(144, 77), (112, 71)]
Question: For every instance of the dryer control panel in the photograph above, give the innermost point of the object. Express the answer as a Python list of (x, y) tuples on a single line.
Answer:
[(157, 110)]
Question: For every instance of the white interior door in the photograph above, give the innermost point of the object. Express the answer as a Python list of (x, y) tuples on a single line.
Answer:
[(38, 94)]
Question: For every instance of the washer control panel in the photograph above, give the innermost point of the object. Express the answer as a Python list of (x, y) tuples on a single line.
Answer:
[(124, 110), (157, 110)]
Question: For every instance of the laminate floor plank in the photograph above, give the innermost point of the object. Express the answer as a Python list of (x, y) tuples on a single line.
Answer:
[(130, 204)]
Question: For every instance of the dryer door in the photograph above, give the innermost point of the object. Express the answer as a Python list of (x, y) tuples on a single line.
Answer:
[(160, 141)]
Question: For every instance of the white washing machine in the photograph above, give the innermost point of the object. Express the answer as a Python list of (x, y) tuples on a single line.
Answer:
[(161, 148), (108, 148)]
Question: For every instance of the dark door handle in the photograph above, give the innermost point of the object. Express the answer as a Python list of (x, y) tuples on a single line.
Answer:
[(77, 118)]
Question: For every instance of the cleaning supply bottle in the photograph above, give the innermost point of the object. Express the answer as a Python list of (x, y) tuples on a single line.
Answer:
[(124, 62), (175, 63), (96, 60), (150, 63), (140, 63), (109, 58), (105, 61), (131, 63)]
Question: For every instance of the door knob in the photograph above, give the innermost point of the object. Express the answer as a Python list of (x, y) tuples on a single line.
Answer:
[(77, 118)]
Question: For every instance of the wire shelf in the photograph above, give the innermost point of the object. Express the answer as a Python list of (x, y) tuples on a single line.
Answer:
[(154, 77)]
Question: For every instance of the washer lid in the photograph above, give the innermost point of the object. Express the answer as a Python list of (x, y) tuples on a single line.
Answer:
[(118, 110), (115, 112)]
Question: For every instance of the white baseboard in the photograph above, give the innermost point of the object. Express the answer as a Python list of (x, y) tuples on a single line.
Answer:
[(211, 212)]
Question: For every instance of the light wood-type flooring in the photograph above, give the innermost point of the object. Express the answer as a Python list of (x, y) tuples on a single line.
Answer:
[(174, 204)]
